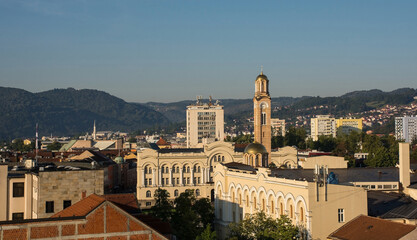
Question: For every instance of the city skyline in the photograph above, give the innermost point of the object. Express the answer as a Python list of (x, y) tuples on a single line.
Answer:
[(171, 51)]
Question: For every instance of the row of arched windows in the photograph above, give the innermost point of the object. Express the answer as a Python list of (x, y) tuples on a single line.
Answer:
[(176, 193)]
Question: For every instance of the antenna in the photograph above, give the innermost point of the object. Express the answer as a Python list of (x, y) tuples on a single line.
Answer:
[(36, 142), (262, 70)]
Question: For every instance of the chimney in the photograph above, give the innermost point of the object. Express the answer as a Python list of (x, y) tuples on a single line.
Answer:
[(404, 150)]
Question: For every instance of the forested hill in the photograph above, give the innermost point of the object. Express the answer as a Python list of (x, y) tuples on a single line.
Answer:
[(69, 111), (352, 102)]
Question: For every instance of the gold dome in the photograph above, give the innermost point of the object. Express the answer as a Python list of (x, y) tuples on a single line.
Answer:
[(255, 148)]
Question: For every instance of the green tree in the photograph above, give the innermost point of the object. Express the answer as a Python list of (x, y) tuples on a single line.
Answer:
[(277, 141), (54, 146), (261, 227), (295, 137), (205, 211), (207, 234), (163, 207), (185, 219)]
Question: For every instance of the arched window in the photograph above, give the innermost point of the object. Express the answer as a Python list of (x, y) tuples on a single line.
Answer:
[(148, 194), (263, 205), (301, 214), (146, 170), (272, 207), (291, 212), (150, 170), (188, 169), (281, 209), (222, 158), (184, 169), (197, 192), (162, 170), (178, 169), (195, 168), (263, 119), (176, 193), (166, 170), (218, 158), (198, 169), (247, 201)]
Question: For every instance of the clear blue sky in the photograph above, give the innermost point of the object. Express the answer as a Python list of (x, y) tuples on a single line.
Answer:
[(174, 50)]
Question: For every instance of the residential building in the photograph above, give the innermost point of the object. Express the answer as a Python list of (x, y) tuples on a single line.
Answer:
[(205, 123), (323, 125), (347, 125), (278, 127), (43, 191), (406, 128), (93, 217)]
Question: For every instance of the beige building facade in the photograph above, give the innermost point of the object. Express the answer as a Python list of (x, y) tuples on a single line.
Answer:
[(205, 123), (316, 208), (179, 169), (278, 127), (347, 125), (41, 194), (322, 125)]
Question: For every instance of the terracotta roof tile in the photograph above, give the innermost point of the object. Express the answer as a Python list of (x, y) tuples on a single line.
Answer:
[(81, 208), (126, 201), (369, 228), (161, 141)]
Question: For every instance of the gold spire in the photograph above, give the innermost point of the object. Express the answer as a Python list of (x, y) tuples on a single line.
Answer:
[(262, 70)]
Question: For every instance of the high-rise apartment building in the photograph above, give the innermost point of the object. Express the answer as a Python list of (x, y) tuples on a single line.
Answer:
[(322, 125), (278, 127), (347, 125), (205, 123), (406, 128)]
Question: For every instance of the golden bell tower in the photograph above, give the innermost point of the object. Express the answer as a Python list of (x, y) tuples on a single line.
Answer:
[(262, 112)]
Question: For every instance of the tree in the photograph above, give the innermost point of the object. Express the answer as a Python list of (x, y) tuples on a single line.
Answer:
[(163, 207), (205, 211), (207, 234), (54, 146), (261, 227), (185, 220), (277, 141), (191, 217)]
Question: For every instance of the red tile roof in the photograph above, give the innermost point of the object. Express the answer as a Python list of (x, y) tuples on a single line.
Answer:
[(81, 208), (126, 201), (369, 228), (161, 141)]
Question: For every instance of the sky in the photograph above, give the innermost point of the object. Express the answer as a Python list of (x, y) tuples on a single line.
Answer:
[(166, 51)]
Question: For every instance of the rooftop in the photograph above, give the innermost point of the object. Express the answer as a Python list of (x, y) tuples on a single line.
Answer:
[(391, 205), (369, 228)]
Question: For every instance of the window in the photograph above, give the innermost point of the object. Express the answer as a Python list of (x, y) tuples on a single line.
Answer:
[(162, 170), (150, 181), (341, 215), (49, 206), (176, 193), (197, 192), (18, 189), (166, 170), (148, 204), (67, 203), (17, 216), (163, 181), (148, 194)]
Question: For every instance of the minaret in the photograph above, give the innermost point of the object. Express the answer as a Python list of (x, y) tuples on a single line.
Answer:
[(262, 112), (94, 131)]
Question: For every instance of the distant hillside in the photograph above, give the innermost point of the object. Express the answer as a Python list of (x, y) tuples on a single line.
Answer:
[(175, 111), (353, 102), (70, 111)]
